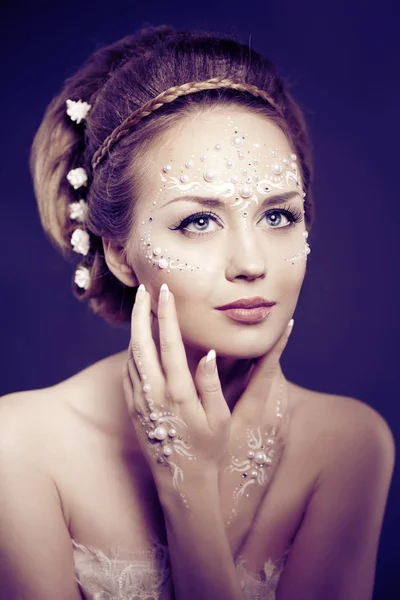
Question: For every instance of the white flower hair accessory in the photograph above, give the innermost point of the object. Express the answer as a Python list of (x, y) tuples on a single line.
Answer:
[(80, 241), (82, 277), (78, 210), (77, 177), (77, 110)]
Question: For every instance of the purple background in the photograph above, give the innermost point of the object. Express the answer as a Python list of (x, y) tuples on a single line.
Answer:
[(344, 63)]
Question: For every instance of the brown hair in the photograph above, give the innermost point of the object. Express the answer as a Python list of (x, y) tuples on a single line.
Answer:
[(118, 80)]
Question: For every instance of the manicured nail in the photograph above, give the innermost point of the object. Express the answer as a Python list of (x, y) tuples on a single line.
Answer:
[(164, 292), (140, 292), (210, 363)]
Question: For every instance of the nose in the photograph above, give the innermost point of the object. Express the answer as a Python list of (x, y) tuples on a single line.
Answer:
[(246, 259)]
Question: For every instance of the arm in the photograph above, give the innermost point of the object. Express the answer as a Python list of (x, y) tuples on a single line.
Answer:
[(201, 559), (334, 553), (35, 547)]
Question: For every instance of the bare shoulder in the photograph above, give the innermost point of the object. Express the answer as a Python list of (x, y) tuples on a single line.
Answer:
[(42, 415), (339, 420)]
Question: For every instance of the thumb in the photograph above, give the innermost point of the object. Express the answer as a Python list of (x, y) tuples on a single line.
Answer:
[(208, 383)]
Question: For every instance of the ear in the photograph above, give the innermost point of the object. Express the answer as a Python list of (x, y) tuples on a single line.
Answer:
[(116, 261)]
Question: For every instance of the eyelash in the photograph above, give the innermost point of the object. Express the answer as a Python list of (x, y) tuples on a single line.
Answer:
[(294, 215)]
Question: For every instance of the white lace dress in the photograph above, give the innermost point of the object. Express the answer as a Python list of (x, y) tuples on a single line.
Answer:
[(146, 575)]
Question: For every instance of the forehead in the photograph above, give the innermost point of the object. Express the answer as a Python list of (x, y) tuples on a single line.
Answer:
[(234, 154), (203, 131)]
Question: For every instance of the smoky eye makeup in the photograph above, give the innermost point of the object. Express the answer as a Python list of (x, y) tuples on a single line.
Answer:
[(200, 220)]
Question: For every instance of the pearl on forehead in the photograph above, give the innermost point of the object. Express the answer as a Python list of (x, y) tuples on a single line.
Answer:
[(157, 251), (163, 263), (237, 141), (240, 155), (189, 163), (255, 161), (167, 168), (210, 175), (229, 163), (245, 191), (203, 157), (217, 146), (285, 161), (184, 178), (256, 177), (234, 179), (277, 168), (293, 156)]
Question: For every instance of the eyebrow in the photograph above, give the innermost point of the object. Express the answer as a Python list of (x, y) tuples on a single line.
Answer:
[(216, 203)]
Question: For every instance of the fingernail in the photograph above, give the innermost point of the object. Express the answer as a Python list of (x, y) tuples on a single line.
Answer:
[(291, 323), (210, 363), (140, 292), (164, 291)]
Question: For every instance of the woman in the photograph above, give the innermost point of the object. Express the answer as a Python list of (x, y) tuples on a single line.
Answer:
[(186, 466)]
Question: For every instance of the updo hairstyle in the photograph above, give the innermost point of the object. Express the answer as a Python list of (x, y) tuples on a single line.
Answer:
[(115, 81)]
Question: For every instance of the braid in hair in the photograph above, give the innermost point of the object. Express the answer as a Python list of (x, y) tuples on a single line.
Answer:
[(157, 71), (168, 96)]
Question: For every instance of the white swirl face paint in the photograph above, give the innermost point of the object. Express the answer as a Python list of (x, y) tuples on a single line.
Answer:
[(241, 171)]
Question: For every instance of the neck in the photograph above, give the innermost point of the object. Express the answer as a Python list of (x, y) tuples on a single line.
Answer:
[(233, 373)]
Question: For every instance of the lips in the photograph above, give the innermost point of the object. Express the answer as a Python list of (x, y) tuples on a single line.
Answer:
[(248, 303)]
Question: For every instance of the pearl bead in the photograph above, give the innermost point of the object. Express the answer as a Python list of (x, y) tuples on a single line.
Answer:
[(160, 433), (234, 179), (172, 432), (167, 451), (229, 163), (240, 155), (285, 161), (167, 168), (255, 161), (203, 157), (293, 156), (245, 191), (256, 177), (184, 178), (254, 474), (217, 146), (163, 263), (210, 175), (250, 454), (151, 435), (276, 168), (153, 416), (260, 458), (237, 141), (157, 251), (146, 388), (189, 163)]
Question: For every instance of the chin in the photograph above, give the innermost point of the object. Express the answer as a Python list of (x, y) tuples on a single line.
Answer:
[(244, 343)]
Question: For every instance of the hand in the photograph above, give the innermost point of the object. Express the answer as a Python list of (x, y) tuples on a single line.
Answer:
[(177, 425), (245, 476)]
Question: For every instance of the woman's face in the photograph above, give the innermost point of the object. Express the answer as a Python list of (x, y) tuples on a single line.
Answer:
[(208, 225)]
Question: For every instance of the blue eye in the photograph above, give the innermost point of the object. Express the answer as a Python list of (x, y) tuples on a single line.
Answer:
[(203, 218)]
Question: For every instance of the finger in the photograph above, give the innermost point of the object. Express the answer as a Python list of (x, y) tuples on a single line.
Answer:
[(131, 383), (173, 355), (264, 373), (144, 356), (211, 395)]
